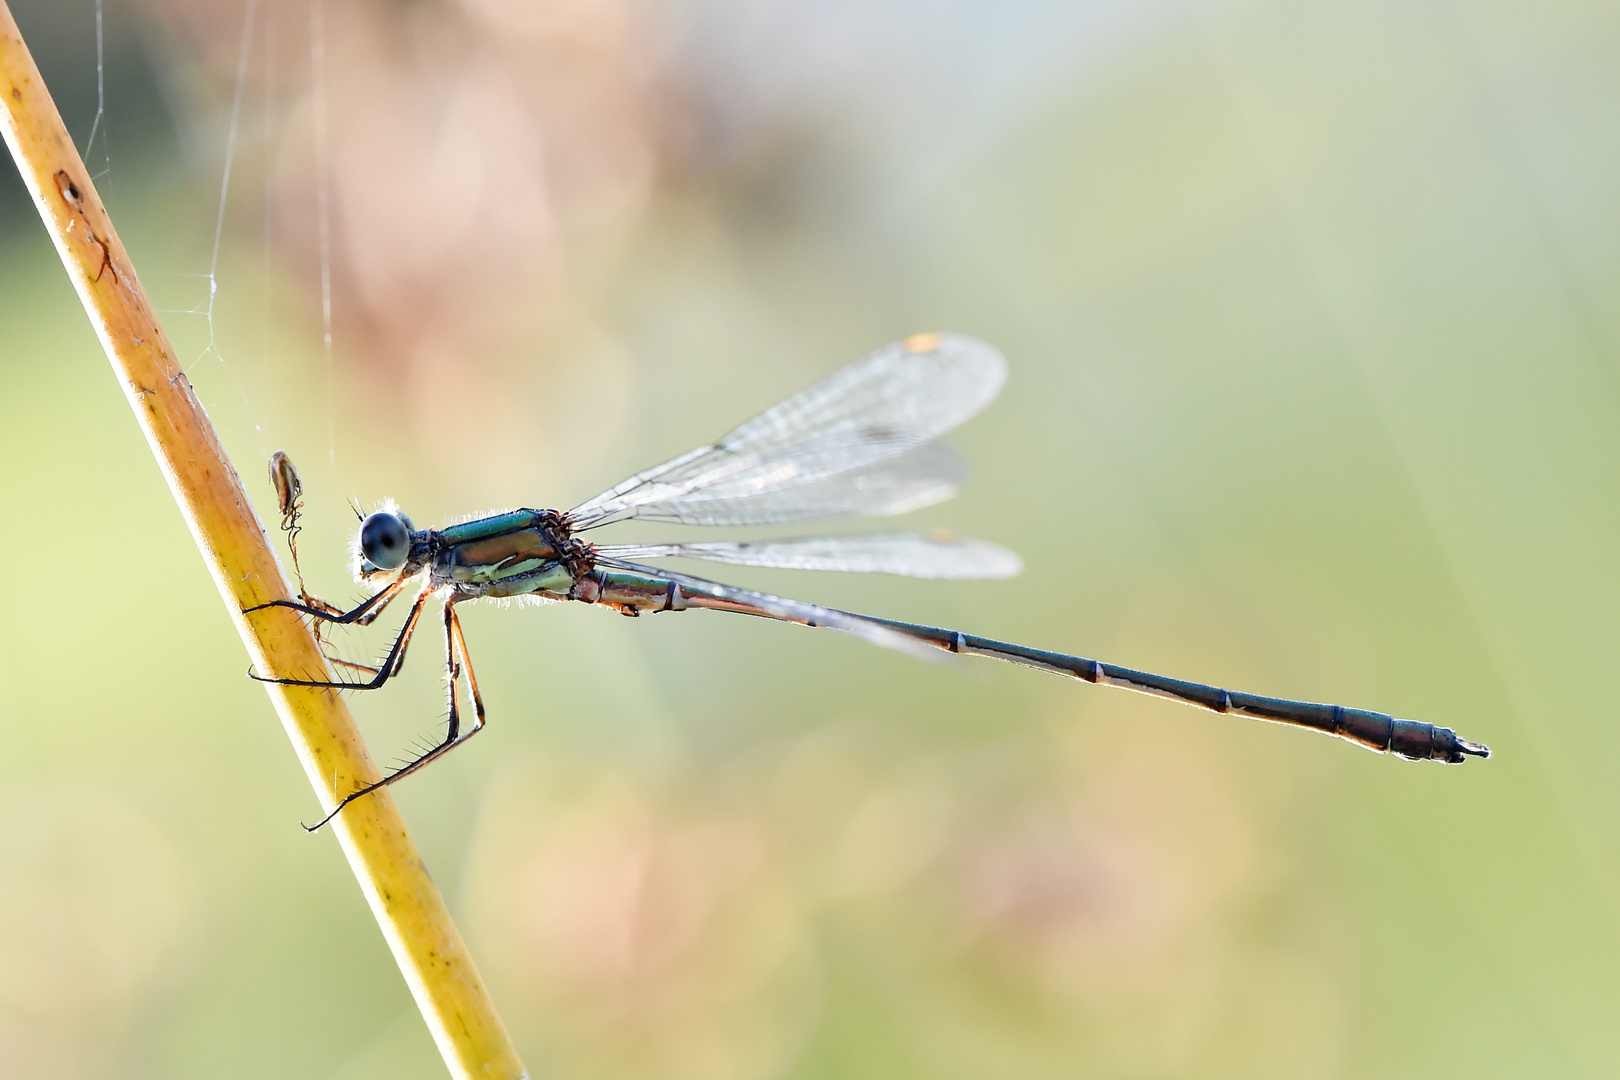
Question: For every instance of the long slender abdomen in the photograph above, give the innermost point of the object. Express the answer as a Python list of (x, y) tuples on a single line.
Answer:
[(1378, 731), (1374, 730)]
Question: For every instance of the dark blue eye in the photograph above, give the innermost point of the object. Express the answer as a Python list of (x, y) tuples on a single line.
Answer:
[(385, 540)]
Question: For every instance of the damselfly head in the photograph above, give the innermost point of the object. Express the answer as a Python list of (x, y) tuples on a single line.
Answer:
[(385, 541)]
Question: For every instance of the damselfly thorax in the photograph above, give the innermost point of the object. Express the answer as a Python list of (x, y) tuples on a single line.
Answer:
[(520, 553)]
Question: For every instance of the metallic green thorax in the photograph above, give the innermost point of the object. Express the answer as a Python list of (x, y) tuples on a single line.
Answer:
[(533, 552), (495, 525), (511, 554)]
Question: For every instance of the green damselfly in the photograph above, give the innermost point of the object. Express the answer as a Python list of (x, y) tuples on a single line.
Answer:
[(860, 443)]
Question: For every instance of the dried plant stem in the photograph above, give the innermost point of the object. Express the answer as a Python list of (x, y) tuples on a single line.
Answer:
[(233, 543)]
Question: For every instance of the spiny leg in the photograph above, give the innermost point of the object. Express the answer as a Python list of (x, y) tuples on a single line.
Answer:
[(353, 665), (397, 654), (371, 616), (385, 671), (364, 620), (363, 614), (455, 646), (472, 680)]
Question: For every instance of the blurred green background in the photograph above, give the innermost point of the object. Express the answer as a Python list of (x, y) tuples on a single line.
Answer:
[(1315, 391)]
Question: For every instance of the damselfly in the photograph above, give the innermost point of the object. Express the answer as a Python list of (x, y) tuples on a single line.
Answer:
[(860, 443)]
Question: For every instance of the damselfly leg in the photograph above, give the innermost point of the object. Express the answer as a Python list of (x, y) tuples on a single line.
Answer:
[(458, 662), (361, 615)]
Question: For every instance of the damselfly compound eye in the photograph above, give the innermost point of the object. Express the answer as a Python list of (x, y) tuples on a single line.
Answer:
[(385, 540)]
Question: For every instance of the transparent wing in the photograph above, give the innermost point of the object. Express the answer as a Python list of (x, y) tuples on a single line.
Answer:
[(910, 481), (701, 592), (919, 555), (895, 400)]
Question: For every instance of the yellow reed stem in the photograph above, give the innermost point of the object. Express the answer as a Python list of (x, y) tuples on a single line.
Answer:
[(408, 907)]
